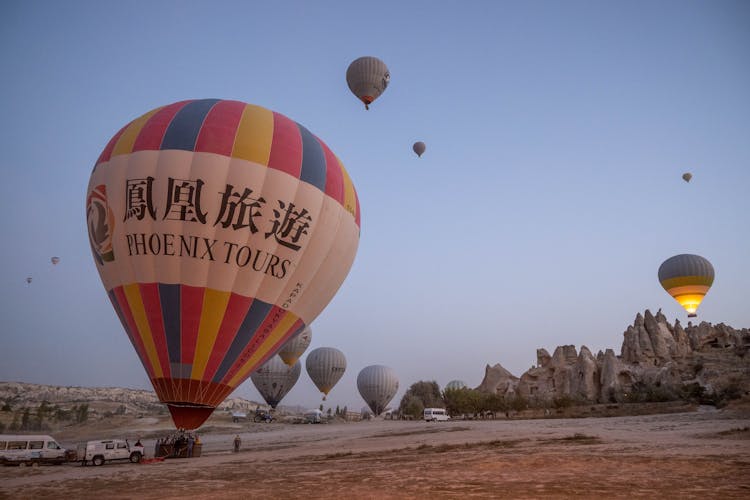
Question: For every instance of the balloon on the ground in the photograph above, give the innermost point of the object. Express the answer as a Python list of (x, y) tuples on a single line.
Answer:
[(325, 366), (687, 278), (55, 260), (274, 379), (367, 78), (455, 385), (377, 384), (219, 229), (293, 348), (687, 176), (419, 148)]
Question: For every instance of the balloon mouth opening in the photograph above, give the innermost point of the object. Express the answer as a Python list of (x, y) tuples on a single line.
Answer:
[(367, 100), (189, 416)]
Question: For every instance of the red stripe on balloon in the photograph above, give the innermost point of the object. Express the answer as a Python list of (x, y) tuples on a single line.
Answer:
[(132, 330), (286, 146), (191, 305), (152, 306), (107, 153), (334, 176), (235, 313), (220, 128), (153, 130)]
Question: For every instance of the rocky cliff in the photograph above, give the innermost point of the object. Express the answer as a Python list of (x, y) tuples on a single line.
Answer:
[(657, 361)]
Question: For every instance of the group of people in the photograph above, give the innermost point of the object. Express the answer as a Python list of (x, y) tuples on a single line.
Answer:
[(174, 444)]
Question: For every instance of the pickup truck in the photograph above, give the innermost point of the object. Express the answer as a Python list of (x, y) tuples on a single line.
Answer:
[(98, 452)]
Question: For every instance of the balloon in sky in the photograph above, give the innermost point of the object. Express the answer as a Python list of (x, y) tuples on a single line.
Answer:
[(687, 176), (687, 278), (367, 78), (220, 229), (325, 366), (55, 260), (274, 379), (419, 148), (295, 346), (455, 385), (28, 280), (377, 385)]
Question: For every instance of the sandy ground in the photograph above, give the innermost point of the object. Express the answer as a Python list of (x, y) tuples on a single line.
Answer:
[(702, 454)]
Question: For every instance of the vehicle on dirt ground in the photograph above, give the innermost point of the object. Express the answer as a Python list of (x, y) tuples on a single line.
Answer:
[(435, 415), (313, 416), (263, 416), (99, 452), (30, 449)]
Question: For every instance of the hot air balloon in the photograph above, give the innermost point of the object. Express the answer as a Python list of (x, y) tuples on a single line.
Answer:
[(274, 379), (55, 260), (367, 78), (325, 366), (687, 176), (295, 346), (419, 148), (28, 280), (687, 278), (455, 385), (377, 385), (220, 229)]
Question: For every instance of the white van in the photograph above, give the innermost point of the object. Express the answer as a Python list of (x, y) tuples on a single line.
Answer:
[(98, 452), (435, 414), (313, 416), (30, 449)]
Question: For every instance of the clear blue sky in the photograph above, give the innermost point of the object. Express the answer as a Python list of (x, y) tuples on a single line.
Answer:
[(549, 194)]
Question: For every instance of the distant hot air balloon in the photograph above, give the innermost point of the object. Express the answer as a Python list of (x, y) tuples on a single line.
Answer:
[(419, 148), (219, 229), (274, 379), (687, 176), (55, 260), (325, 366), (28, 280), (455, 385), (367, 78), (377, 384), (687, 278), (295, 346)]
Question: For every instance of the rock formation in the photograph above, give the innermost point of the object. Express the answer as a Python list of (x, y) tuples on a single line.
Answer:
[(657, 359)]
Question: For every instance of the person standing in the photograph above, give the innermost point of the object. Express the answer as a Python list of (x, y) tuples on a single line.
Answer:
[(237, 443), (190, 443)]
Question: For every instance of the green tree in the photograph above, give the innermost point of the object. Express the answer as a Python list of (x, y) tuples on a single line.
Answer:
[(7, 406), (419, 396), (81, 412), (26, 420)]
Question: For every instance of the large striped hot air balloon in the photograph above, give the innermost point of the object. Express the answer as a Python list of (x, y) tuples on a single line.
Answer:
[(377, 384), (367, 78), (219, 229), (687, 278)]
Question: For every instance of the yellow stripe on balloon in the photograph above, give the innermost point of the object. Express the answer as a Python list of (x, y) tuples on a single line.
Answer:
[(350, 197), (254, 135), (214, 305), (135, 302), (127, 139), (688, 289), (687, 281), (285, 324)]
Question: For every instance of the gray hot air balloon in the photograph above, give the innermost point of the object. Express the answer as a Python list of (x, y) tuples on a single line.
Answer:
[(367, 78), (377, 385), (295, 346), (419, 148), (325, 366), (687, 278), (274, 379), (54, 260), (687, 176), (455, 385)]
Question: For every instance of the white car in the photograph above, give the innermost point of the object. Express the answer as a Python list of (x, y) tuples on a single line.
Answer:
[(98, 452)]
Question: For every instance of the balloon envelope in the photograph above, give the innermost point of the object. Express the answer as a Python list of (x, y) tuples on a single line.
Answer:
[(419, 148), (367, 78), (687, 278), (377, 384), (687, 176), (219, 230), (325, 366), (295, 346), (274, 379), (55, 260), (454, 385)]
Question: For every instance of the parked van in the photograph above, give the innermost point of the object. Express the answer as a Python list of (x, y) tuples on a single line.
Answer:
[(313, 416), (435, 414), (98, 452), (30, 449)]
